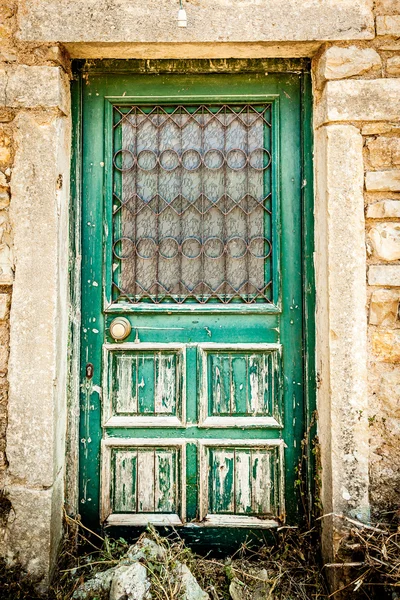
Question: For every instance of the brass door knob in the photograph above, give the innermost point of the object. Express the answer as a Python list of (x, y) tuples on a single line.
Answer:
[(120, 328)]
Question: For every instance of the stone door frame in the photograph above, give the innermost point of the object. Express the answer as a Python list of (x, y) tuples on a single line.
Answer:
[(41, 338)]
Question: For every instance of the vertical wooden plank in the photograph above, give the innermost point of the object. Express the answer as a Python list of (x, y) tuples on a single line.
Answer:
[(275, 488), (255, 384), (221, 488), (145, 480), (191, 482), (271, 401), (226, 373), (165, 480), (125, 385), (243, 481), (220, 384), (265, 395), (261, 481), (124, 481), (239, 384), (215, 384), (145, 384), (166, 384)]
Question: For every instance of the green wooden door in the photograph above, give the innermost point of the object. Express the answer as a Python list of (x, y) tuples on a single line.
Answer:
[(191, 233)]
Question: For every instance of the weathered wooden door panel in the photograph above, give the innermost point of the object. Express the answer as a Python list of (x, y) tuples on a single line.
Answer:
[(191, 232), (144, 385)]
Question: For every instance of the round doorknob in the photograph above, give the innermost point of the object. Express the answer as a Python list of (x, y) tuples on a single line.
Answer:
[(120, 328)]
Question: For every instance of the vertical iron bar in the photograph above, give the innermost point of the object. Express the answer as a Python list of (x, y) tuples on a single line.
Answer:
[(247, 259), (136, 202), (224, 232), (202, 172), (181, 171), (158, 199)]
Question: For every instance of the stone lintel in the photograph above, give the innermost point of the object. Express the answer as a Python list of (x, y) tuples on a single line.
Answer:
[(24, 86), (208, 20), (192, 50), (359, 100), (341, 325)]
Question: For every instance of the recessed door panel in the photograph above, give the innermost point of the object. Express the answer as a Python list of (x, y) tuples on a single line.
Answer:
[(143, 482), (241, 483), (240, 385), (144, 385)]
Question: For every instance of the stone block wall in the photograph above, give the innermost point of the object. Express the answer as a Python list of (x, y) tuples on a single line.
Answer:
[(382, 197)]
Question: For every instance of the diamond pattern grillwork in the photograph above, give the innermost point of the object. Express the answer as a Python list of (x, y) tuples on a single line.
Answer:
[(192, 203)]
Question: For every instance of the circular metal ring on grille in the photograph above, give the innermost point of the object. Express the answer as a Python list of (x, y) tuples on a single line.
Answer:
[(122, 154), (241, 159), (259, 156), (169, 160), (146, 248), (214, 248), (168, 248), (262, 241), (191, 248), (191, 159), (146, 155), (237, 247), (124, 241), (209, 159)]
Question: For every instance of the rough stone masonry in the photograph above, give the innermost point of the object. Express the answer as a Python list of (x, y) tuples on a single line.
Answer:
[(355, 50)]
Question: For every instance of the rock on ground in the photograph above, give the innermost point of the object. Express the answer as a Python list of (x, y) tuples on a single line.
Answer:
[(189, 588), (257, 589), (130, 582), (145, 549)]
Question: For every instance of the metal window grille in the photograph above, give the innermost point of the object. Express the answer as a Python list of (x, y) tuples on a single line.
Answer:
[(192, 204)]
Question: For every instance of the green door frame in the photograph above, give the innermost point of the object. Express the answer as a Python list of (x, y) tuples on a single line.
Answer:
[(300, 67)]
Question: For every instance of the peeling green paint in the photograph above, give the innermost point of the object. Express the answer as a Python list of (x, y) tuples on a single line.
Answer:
[(248, 377)]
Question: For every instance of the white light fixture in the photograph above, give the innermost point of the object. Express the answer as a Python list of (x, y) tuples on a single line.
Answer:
[(182, 19)]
